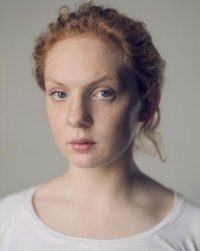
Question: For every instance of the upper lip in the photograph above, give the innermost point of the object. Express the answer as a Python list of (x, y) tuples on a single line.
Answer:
[(81, 141)]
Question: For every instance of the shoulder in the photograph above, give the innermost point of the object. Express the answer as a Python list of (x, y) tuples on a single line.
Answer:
[(191, 217), (189, 213), (11, 212), (183, 226), (10, 204)]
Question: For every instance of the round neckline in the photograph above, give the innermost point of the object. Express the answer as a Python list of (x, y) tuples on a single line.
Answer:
[(114, 242)]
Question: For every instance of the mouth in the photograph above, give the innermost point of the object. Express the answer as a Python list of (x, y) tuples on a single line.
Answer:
[(82, 141), (82, 144)]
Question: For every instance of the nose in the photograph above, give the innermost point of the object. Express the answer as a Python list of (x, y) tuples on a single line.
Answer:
[(78, 114)]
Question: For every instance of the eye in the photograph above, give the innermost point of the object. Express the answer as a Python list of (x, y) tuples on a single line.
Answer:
[(105, 94), (58, 95)]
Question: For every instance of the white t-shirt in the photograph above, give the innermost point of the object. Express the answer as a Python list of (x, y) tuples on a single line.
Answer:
[(22, 230)]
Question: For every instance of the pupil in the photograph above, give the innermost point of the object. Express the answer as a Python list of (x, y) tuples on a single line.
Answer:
[(61, 94), (105, 93)]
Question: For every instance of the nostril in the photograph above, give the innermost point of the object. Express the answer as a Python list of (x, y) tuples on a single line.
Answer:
[(87, 121), (78, 113), (80, 123), (79, 119)]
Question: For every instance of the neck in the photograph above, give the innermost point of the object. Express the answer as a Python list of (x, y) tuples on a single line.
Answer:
[(101, 185)]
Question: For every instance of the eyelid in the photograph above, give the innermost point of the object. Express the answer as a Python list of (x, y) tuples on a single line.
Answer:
[(109, 89), (53, 92), (55, 87)]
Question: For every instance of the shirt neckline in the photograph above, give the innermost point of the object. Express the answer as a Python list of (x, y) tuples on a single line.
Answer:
[(116, 242)]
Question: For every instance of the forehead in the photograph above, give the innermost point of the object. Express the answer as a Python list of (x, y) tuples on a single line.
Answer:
[(83, 58)]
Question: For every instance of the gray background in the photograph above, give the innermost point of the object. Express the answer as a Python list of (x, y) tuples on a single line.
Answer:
[(28, 154)]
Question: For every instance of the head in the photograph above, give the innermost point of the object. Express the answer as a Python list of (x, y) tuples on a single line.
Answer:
[(111, 41)]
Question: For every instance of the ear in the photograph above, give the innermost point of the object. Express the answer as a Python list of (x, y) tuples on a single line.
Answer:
[(150, 105)]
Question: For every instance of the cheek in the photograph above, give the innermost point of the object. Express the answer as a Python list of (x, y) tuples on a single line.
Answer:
[(128, 123), (56, 123), (120, 122)]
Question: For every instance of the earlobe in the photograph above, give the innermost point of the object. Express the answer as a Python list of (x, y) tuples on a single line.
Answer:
[(150, 105)]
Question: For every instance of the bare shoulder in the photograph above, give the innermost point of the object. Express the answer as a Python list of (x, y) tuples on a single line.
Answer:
[(48, 189), (50, 206), (45, 196), (151, 202), (155, 196)]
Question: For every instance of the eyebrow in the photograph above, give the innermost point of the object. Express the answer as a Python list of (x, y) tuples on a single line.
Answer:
[(106, 77)]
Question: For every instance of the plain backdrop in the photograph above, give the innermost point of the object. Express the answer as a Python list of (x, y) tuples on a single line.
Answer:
[(28, 154)]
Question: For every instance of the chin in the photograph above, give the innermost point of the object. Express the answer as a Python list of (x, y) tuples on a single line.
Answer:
[(81, 161), (86, 161), (90, 159)]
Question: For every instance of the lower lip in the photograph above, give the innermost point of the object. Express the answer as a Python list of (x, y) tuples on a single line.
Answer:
[(84, 147)]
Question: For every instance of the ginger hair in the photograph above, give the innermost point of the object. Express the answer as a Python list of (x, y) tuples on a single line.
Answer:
[(129, 34)]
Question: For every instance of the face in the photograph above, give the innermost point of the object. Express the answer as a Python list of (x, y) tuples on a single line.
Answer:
[(91, 101)]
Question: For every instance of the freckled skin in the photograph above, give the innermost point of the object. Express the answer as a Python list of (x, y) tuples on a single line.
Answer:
[(102, 188), (113, 123)]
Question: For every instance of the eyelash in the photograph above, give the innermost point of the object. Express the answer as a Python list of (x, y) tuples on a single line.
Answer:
[(112, 94), (56, 92)]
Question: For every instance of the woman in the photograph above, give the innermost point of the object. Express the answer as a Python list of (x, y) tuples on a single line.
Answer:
[(102, 78)]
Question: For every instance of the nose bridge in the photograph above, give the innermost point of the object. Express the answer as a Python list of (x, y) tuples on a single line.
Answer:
[(76, 107), (78, 111)]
